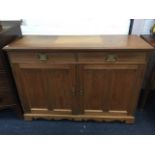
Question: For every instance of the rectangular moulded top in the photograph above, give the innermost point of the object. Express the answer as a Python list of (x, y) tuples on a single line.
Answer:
[(108, 42)]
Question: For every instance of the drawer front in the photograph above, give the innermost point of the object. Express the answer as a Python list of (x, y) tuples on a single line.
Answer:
[(40, 57), (113, 57), (79, 57)]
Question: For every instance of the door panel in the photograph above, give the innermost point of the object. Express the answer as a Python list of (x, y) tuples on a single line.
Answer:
[(109, 88), (47, 88)]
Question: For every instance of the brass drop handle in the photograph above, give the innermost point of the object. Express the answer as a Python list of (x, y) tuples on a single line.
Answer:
[(43, 56), (111, 58)]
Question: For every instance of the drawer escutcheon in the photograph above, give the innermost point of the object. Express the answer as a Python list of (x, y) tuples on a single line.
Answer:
[(111, 58), (43, 57)]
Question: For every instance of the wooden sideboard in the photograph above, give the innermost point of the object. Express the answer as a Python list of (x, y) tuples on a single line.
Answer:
[(10, 30), (79, 77)]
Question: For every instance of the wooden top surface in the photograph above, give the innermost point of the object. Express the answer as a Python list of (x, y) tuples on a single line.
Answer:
[(150, 39), (79, 42)]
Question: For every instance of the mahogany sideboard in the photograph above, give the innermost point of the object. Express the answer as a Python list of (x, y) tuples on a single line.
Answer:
[(79, 77), (9, 31)]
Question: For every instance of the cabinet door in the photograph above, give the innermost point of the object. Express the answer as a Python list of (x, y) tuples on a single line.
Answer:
[(46, 88), (110, 88)]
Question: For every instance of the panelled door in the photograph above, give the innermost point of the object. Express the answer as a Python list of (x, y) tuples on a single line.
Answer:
[(46, 88), (109, 88)]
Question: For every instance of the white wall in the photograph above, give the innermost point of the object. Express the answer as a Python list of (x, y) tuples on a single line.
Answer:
[(79, 26), (63, 17), (142, 26)]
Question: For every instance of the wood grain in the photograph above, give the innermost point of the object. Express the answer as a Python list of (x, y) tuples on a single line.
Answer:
[(76, 82), (79, 42)]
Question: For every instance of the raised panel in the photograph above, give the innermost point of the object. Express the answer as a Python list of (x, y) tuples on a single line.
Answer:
[(122, 88), (94, 89)]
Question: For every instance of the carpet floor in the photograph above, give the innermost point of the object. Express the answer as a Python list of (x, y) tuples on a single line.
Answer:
[(10, 124)]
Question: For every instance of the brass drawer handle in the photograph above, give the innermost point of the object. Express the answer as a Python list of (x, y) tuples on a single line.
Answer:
[(111, 58), (43, 56)]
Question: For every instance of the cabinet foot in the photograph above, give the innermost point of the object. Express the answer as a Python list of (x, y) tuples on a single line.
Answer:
[(99, 118)]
